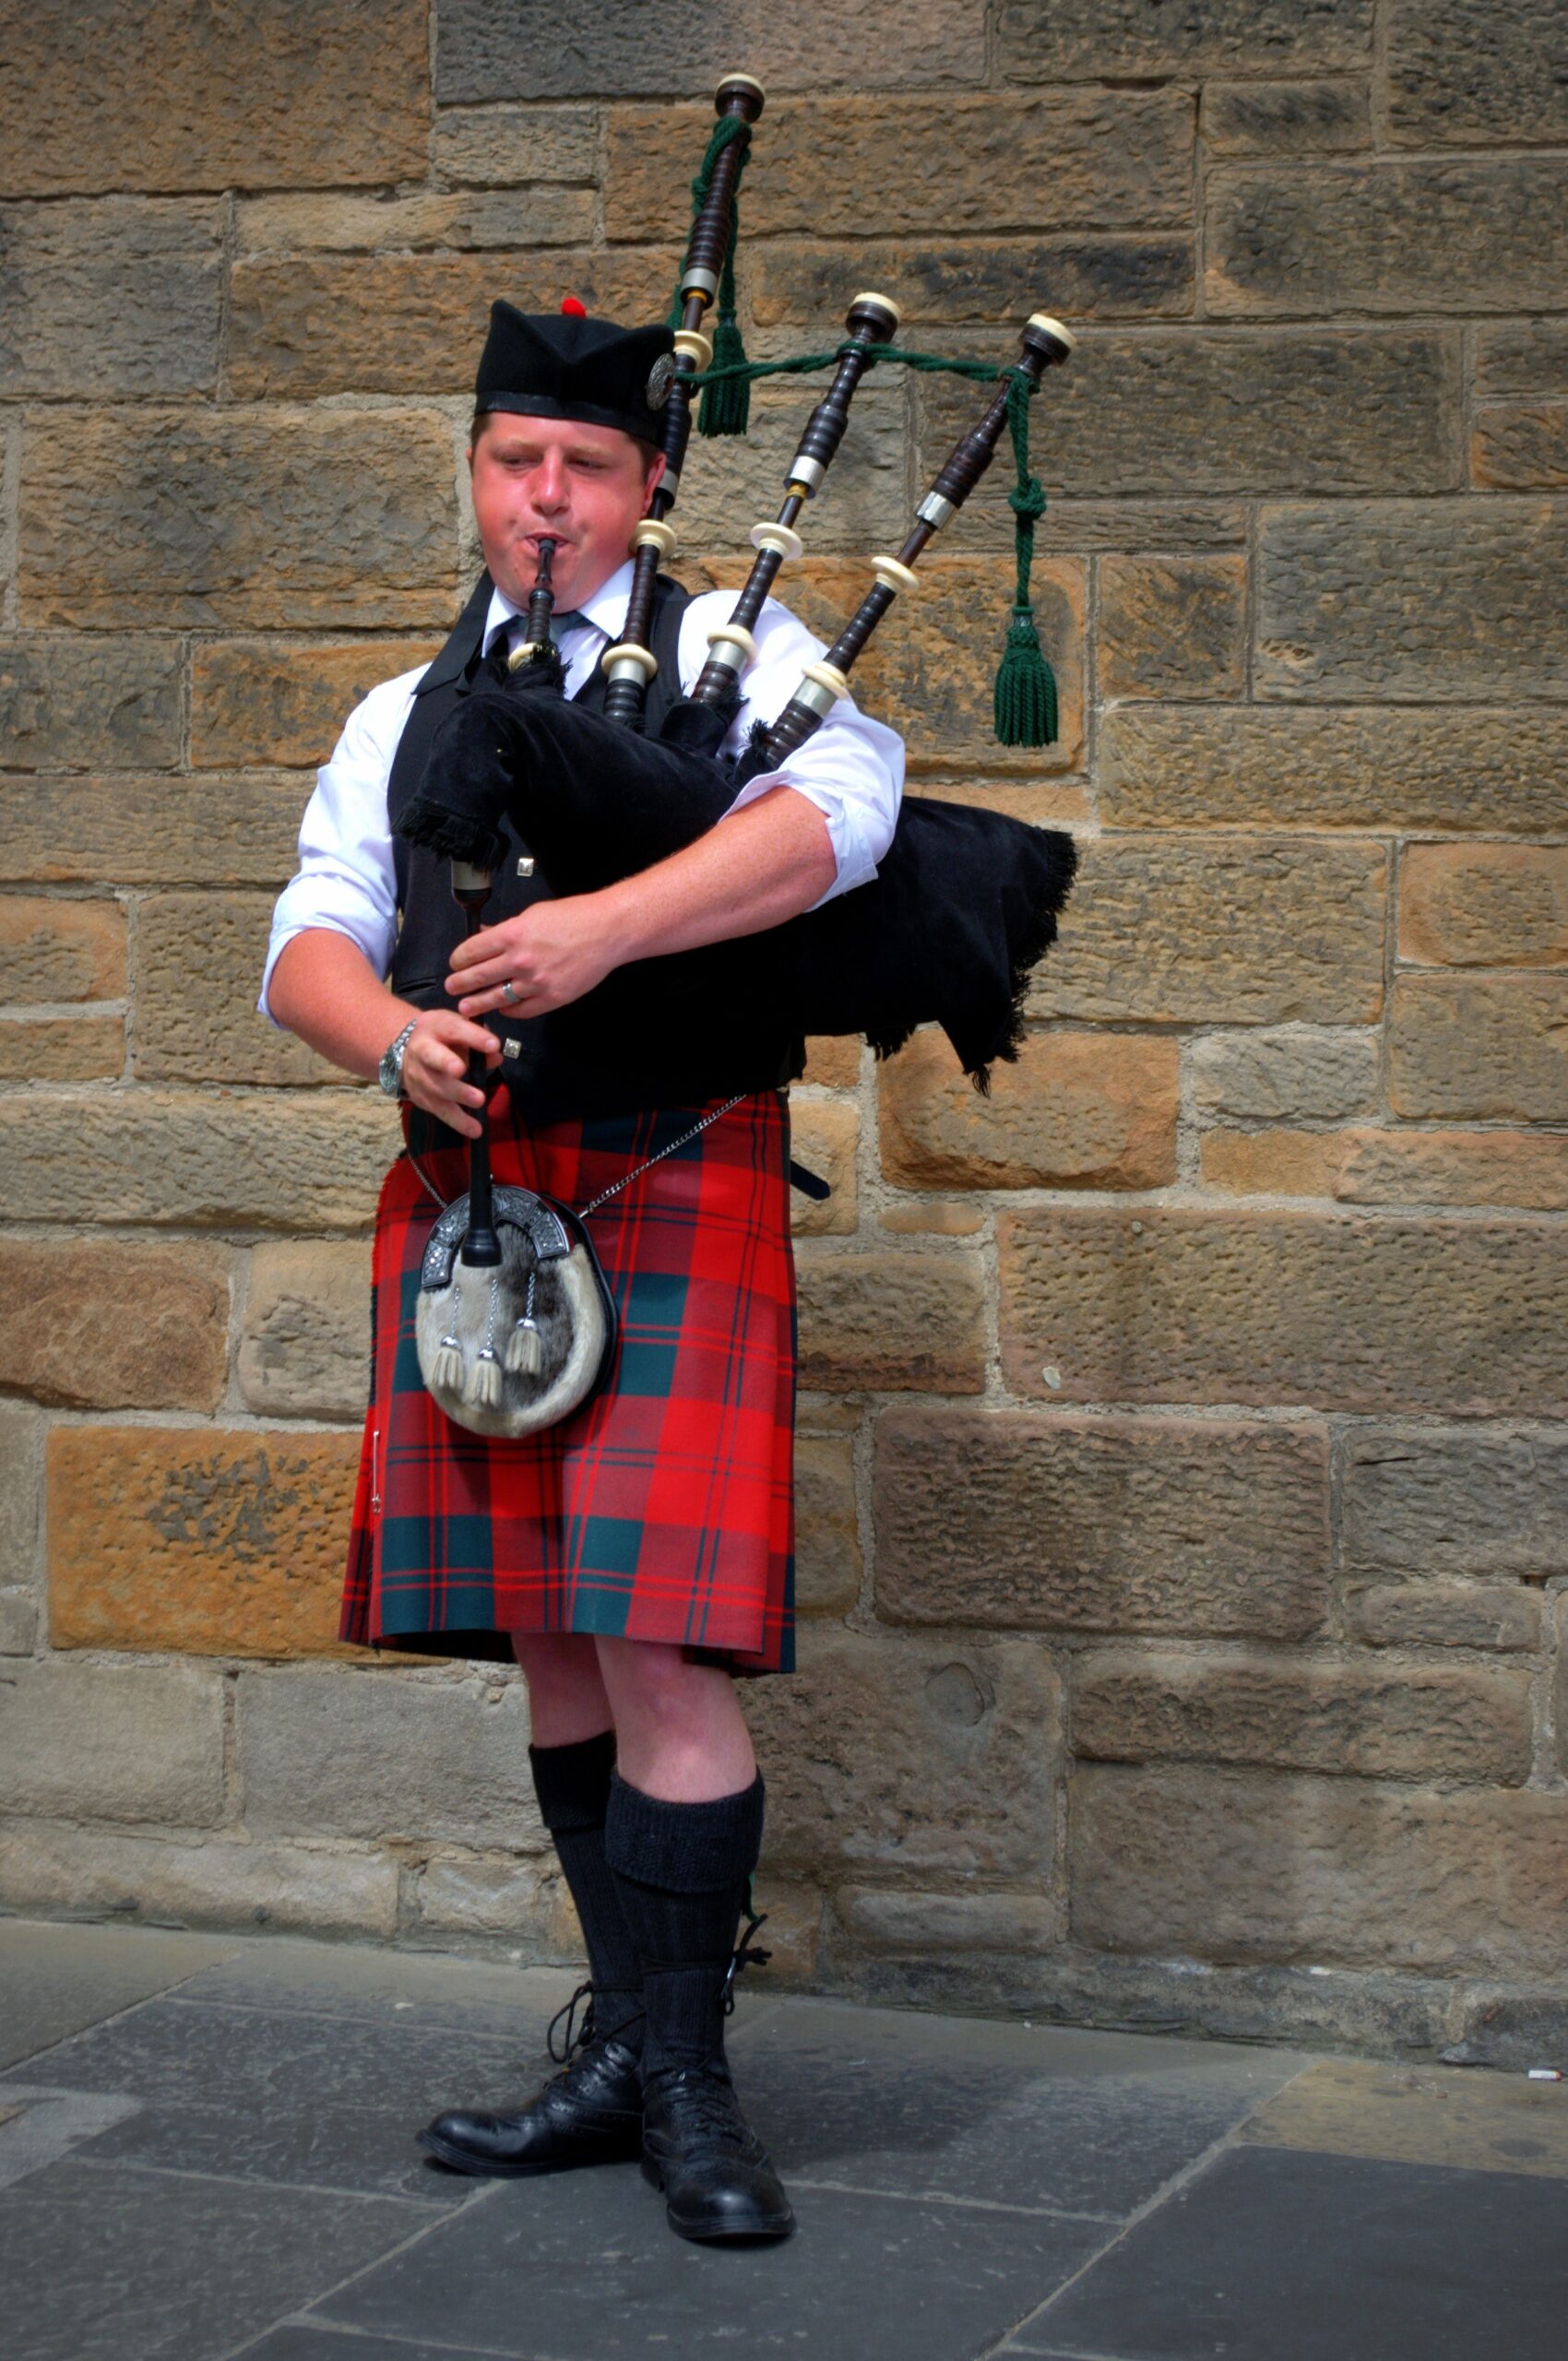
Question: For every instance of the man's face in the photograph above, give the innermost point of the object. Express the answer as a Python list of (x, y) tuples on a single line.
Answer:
[(583, 487)]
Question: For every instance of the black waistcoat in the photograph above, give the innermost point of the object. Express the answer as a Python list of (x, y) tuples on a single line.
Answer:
[(591, 1057)]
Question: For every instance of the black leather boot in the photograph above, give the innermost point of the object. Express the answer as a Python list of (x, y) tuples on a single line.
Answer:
[(591, 2112), (683, 1874)]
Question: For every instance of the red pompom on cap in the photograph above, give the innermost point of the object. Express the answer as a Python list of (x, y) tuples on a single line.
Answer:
[(573, 309)]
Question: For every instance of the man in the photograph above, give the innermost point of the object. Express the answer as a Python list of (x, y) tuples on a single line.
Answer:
[(639, 1555)]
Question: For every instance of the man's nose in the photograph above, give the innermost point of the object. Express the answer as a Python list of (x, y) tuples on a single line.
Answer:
[(549, 485)]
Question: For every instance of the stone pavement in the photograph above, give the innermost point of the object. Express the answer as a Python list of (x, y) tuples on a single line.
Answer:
[(206, 2151)]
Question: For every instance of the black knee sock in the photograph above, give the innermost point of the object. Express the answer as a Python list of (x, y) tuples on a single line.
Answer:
[(572, 1786), (682, 1872)]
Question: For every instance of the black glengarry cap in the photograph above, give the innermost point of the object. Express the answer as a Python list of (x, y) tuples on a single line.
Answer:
[(545, 364)]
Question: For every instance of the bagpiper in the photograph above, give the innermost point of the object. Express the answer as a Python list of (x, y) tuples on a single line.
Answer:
[(639, 1555)]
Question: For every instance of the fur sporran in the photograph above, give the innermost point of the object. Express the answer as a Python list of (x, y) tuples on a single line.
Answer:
[(510, 1349)]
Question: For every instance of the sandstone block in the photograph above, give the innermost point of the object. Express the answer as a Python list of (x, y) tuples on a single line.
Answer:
[(978, 279), (913, 1755), (1340, 767), (497, 147), (1091, 160), (1230, 930), (1078, 527), (135, 280), (515, 49), (1520, 447), (487, 1897), (333, 93), (284, 702), (1457, 1505), (409, 324), (1285, 118), (865, 506), (373, 1753), (139, 830), (892, 1320), (197, 1541), (930, 670), (450, 220), (1504, 1616), (1307, 1717), (1487, 1046), (199, 960), (61, 1048), (1236, 1866), (833, 1060), (1561, 1699), (1337, 586), (105, 1324), (308, 1165), (1522, 357), (184, 519), (1467, 77), (304, 1351), (1172, 627), (824, 1136), (794, 1928), (1078, 1110), (1465, 1316), (1484, 905), (81, 1741), (935, 1216), (64, 700), (1101, 1524), (1174, 413), (221, 1881), (21, 1463), (947, 1922), (1385, 238), (18, 1622), (55, 950), (1045, 41), (1314, 1073), (1393, 1167), (827, 1532)]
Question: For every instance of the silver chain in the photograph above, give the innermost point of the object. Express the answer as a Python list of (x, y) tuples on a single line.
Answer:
[(626, 1178)]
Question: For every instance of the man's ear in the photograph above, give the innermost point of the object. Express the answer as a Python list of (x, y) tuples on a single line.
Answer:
[(654, 478)]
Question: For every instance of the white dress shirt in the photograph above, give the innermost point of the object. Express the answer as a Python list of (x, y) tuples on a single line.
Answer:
[(852, 769)]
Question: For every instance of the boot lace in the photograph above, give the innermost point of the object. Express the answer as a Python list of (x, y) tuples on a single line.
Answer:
[(576, 2038), (746, 1954)]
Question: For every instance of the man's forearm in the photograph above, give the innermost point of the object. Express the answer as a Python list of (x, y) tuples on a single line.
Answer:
[(324, 990), (760, 866)]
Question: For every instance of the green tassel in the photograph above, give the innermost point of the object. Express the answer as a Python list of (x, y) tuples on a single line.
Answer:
[(727, 406), (1026, 687)]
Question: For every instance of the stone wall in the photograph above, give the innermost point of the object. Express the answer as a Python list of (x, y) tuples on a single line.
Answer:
[(1184, 1446)]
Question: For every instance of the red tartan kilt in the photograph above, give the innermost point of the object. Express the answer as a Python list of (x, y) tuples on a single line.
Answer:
[(662, 1510)]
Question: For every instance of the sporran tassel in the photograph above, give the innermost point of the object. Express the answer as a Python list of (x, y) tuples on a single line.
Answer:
[(448, 1370), (524, 1350), (484, 1389)]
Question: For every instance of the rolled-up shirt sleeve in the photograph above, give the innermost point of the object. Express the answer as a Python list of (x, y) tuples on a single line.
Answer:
[(851, 769), (346, 880)]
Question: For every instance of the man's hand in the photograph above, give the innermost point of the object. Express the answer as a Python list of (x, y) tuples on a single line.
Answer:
[(552, 954), (435, 1067)]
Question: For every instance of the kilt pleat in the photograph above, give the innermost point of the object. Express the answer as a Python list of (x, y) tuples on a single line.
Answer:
[(663, 1510)]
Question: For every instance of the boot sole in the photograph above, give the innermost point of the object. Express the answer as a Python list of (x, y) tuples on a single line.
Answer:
[(724, 2232), (461, 2160)]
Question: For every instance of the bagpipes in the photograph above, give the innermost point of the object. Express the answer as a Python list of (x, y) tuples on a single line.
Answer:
[(965, 901)]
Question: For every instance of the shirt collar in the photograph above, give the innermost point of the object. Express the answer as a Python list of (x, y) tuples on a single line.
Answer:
[(606, 610)]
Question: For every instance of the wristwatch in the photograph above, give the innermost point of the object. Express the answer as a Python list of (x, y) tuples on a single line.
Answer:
[(389, 1073)]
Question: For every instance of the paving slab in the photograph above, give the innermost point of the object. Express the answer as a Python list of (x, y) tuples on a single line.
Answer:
[(1421, 2115), (1301, 2257), (287, 2098), (361, 1980), (58, 1978), (113, 2264), (1083, 2122), (583, 2267)]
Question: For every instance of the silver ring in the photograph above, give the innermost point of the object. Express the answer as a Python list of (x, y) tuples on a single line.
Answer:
[(508, 990)]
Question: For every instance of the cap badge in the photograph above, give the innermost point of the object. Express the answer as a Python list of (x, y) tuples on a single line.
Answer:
[(661, 377)]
